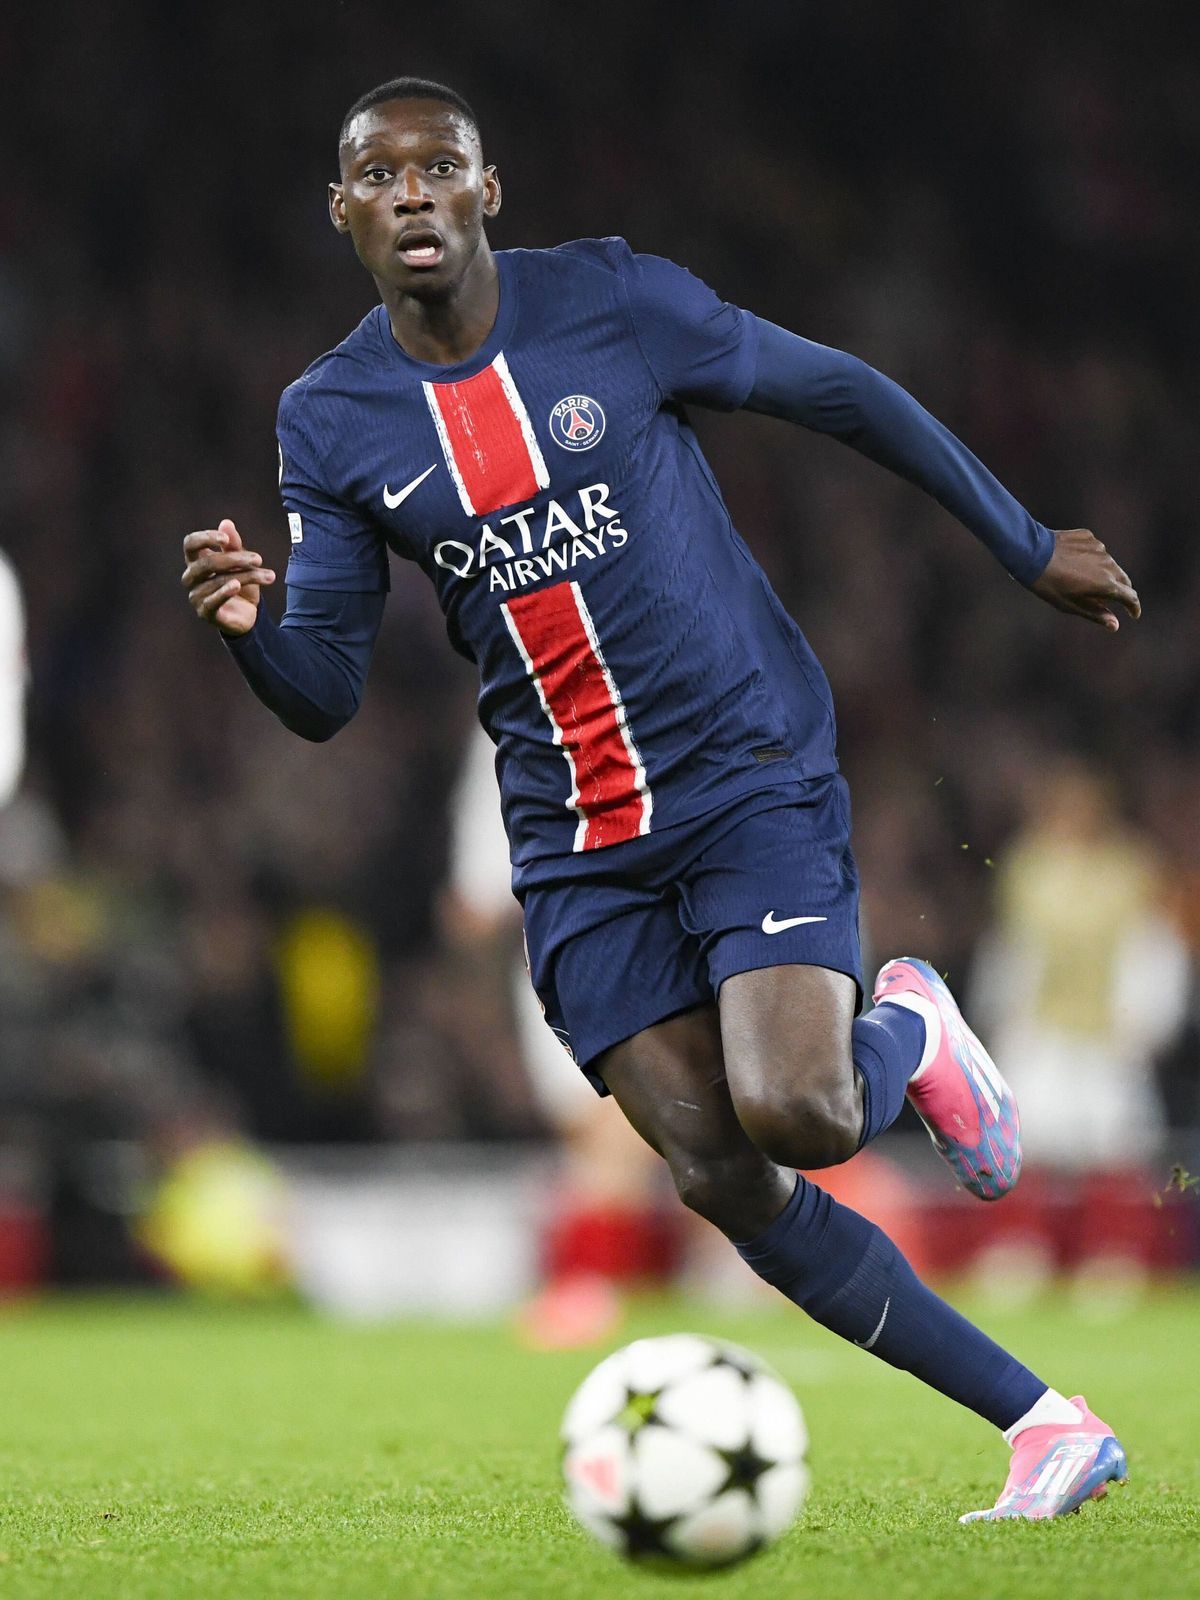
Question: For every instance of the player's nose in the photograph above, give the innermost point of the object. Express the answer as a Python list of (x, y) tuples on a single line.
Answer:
[(411, 192)]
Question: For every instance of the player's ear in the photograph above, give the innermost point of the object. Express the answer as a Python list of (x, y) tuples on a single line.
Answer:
[(491, 192), (337, 208)]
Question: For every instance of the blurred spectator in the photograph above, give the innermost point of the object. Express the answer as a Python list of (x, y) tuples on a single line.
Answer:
[(1084, 980), (1080, 986)]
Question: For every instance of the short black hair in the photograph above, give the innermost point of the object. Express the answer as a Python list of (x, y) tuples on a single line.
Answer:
[(408, 89)]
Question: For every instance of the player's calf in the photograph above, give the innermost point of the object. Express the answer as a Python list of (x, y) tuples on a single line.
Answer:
[(670, 1083), (740, 1192)]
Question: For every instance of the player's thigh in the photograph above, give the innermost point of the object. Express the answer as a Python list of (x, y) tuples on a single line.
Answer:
[(787, 1044), (607, 960), (669, 1081), (773, 899)]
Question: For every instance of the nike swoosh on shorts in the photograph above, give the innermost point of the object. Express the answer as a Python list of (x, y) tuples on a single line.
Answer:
[(770, 925)]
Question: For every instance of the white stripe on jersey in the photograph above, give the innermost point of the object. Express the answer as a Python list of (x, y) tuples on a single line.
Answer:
[(536, 460)]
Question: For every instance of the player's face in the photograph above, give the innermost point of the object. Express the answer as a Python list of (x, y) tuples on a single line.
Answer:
[(414, 195)]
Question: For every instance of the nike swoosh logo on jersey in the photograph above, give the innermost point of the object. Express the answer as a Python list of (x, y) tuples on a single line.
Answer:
[(391, 501), (770, 925)]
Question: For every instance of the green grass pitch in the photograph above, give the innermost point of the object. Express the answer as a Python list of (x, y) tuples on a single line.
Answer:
[(154, 1450)]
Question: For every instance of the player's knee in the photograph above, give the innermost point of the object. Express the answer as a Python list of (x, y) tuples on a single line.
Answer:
[(804, 1124)]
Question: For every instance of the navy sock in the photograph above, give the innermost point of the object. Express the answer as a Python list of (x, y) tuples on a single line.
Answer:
[(887, 1045), (850, 1277)]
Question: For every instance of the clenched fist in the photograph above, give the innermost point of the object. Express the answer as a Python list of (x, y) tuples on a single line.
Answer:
[(222, 578)]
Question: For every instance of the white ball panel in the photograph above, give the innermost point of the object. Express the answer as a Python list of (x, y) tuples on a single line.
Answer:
[(711, 1405), (600, 1472), (598, 1399), (721, 1531), (777, 1428), (596, 1523), (781, 1493), (655, 1362), (673, 1473), (743, 1357)]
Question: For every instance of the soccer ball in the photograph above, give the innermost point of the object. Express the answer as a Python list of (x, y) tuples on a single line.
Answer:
[(685, 1451)]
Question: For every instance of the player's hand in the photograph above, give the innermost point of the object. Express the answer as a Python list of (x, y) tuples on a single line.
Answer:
[(222, 578), (1083, 578)]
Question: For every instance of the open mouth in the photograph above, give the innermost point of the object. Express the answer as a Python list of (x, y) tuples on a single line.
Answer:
[(421, 250)]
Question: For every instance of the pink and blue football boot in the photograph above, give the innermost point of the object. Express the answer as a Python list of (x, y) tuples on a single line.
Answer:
[(957, 1092), (1055, 1469)]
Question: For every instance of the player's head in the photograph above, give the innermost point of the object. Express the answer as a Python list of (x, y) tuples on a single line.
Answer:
[(407, 89), (414, 190)]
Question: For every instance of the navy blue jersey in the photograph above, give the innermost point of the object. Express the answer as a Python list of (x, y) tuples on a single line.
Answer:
[(636, 668)]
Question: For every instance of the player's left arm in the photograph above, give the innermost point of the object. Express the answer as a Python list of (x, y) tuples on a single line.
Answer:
[(832, 392)]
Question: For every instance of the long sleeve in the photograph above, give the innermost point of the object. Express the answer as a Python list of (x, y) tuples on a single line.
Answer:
[(310, 668), (835, 393)]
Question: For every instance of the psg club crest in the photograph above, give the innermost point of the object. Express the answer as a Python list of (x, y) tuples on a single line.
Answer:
[(577, 423)]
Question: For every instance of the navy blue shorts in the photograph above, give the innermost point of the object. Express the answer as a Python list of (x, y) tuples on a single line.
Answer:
[(769, 881)]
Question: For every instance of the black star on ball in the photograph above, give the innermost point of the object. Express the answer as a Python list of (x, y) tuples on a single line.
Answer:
[(745, 1466), (643, 1535)]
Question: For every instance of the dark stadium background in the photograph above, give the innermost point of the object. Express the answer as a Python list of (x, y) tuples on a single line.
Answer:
[(996, 204)]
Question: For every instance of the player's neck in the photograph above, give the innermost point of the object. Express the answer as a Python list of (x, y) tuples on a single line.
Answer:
[(445, 332)]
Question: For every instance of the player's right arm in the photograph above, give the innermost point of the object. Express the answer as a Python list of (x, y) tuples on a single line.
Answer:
[(310, 668)]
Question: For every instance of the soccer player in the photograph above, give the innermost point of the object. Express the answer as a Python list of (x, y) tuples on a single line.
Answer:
[(515, 423)]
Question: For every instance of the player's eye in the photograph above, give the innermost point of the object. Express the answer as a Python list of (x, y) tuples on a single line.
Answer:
[(376, 174), (445, 169)]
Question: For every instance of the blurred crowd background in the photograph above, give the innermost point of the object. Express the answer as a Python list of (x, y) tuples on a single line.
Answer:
[(211, 931)]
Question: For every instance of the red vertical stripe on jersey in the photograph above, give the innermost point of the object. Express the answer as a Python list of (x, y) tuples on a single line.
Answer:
[(558, 642), (484, 439)]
